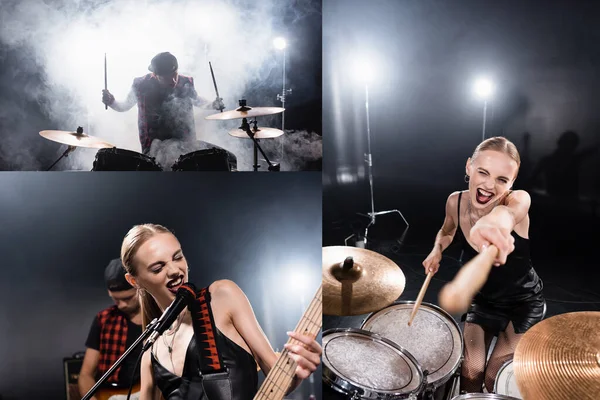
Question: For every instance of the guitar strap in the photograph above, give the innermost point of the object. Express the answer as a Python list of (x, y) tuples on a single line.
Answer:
[(206, 332)]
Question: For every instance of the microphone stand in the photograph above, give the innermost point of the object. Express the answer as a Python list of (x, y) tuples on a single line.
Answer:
[(149, 330)]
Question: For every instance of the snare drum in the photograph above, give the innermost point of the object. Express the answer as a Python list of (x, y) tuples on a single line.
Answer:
[(203, 160), (114, 159), (364, 365), (483, 396), (434, 339), (506, 383)]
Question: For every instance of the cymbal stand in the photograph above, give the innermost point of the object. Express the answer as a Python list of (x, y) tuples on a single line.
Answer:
[(69, 149), (273, 167)]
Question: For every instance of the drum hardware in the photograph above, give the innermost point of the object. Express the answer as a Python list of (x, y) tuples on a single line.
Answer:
[(243, 111), (73, 140), (559, 358), (273, 167), (358, 281)]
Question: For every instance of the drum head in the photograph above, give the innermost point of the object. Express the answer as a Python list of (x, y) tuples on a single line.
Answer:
[(506, 383), (434, 338), (372, 366)]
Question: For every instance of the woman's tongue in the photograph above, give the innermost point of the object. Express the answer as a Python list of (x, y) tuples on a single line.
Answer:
[(172, 288), (483, 197)]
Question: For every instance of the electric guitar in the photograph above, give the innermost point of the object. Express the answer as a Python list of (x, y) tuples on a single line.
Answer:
[(281, 375), (109, 393)]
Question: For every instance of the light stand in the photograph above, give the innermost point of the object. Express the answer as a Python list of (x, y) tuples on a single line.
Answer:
[(281, 44), (369, 160), (484, 117)]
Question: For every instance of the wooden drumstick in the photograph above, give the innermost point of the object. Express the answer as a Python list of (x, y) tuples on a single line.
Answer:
[(455, 297), (420, 297)]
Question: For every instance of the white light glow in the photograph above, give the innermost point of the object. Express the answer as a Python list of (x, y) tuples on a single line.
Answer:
[(279, 43), (363, 71), (484, 88)]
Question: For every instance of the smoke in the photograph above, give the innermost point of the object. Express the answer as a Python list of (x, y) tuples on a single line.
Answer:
[(60, 65)]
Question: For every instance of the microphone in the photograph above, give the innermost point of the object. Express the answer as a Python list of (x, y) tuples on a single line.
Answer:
[(185, 295)]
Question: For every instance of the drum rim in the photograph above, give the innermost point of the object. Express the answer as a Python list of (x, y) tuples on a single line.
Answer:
[(491, 396), (448, 376), (502, 368), (344, 386)]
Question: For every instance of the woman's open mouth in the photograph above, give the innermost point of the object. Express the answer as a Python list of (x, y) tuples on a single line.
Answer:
[(483, 196)]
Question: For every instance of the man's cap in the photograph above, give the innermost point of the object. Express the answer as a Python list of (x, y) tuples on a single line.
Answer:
[(114, 276), (163, 64)]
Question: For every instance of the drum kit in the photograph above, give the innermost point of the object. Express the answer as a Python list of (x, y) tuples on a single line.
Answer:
[(111, 158), (397, 354)]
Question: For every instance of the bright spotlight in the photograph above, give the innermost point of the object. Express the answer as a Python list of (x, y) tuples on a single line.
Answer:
[(279, 43), (484, 88), (363, 71)]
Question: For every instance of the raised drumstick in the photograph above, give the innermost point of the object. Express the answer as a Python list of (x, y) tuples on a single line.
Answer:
[(105, 80), (455, 297), (420, 297)]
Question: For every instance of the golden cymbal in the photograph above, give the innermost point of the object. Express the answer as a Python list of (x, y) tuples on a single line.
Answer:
[(358, 281), (260, 133), (76, 139), (246, 112), (559, 358)]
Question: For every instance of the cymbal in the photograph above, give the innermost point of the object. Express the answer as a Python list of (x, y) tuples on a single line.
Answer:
[(76, 139), (358, 281), (261, 133), (246, 112), (559, 358)]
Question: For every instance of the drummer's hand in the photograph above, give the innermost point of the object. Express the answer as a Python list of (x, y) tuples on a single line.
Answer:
[(485, 233), (432, 262), (107, 97), (218, 104), (307, 354)]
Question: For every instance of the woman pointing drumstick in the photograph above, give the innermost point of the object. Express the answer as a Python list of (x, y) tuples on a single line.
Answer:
[(492, 219)]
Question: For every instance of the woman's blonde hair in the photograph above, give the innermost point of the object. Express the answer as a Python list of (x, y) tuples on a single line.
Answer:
[(136, 237), (500, 144)]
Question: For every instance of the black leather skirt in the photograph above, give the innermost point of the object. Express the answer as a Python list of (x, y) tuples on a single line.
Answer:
[(495, 316)]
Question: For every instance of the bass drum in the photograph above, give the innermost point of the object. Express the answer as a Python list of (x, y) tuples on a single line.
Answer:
[(434, 339), (363, 365), (114, 159)]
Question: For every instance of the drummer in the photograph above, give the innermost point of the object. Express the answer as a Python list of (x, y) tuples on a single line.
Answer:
[(511, 301), (165, 102)]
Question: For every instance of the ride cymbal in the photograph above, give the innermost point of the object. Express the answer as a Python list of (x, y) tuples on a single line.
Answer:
[(246, 112), (260, 133), (559, 358), (77, 139), (358, 281)]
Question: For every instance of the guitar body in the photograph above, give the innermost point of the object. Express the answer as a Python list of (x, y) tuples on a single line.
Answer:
[(109, 393)]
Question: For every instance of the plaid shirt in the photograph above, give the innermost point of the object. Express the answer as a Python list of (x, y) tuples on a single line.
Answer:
[(165, 112), (113, 339)]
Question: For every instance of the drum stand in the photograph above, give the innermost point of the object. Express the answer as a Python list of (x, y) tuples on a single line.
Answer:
[(369, 161), (67, 151), (273, 167)]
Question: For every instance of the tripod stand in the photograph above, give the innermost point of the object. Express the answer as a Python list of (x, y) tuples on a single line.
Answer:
[(273, 167), (369, 160)]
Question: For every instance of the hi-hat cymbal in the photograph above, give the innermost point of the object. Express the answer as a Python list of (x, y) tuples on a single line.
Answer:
[(358, 281), (559, 358), (261, 133), (76, 139), (246, 112)]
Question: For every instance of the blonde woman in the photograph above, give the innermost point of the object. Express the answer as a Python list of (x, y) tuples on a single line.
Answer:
[(156, 266), (511, 301)]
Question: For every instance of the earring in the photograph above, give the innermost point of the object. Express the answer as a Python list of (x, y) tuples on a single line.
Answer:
[(467, 178)]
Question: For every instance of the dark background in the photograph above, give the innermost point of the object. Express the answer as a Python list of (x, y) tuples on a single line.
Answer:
[(60, 230), (425, 122), (34, 99)]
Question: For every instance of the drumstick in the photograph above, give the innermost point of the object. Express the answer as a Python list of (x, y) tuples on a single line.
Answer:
[(105, 80), (214, 83), (420, 297), (455, 297)]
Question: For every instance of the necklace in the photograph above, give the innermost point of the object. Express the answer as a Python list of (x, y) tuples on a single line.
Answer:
[(170, 347), (470, 214)]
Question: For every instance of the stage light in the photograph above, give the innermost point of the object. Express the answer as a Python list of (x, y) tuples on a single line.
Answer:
[(363, 71), (484, 88), (279, 43)]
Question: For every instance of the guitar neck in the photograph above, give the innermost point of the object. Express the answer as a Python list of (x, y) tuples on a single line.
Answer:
[(281, 375)]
